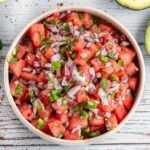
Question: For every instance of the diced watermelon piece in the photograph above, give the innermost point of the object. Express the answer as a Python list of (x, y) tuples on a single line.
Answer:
[(120, 112), (57, 128), (22, 50), (16, 68), (111, 122), (68, 135)]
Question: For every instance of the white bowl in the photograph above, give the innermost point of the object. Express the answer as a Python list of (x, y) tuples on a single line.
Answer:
[(120, 27)]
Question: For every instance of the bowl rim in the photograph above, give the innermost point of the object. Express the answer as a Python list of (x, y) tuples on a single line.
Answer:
[(119, 26)]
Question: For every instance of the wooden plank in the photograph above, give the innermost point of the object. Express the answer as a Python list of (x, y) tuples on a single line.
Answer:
[(92, 147)]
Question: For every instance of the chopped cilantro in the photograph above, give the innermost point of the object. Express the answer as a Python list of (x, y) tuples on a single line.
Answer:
[(67, 28), (80, 16)]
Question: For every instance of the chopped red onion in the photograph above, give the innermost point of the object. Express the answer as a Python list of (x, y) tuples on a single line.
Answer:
[(62, 15), (16, 82), (103, 96), (48, 65), (125, 43), (76, 76), (57, 44), (76, 33), (42, 47), (52, 28), (88, 44), (71, 93), (98, 75), (67, 71), (78, 128), (124, 79), (36, 64), (27, 69), (92, 72), (107, 114), (64, 82), (56, 57)]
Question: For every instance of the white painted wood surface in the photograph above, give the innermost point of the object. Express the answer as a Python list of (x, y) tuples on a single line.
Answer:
[(14, 14)]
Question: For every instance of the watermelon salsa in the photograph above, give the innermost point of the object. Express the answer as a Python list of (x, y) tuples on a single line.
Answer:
[(73, 76)]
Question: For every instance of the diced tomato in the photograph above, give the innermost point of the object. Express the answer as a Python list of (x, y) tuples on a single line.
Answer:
[(128, 102), (131, 69), (78, 45), (37, 27), (68, 135), (62, 117), (26, 111), (120, 112), (42, 60), (76, 120), (44, 114), (16, 68), (111, 122), (133, 83), (30, 58), (43, 96), (106, 27), (96, 122), (42, 78), (56, 128), (21, 51), (28, 76), (49, 53), (81, 96)]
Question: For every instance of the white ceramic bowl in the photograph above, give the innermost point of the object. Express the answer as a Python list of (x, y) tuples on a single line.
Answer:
[(120, 27)]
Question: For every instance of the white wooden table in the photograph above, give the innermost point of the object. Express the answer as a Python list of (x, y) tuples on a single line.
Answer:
[(14, 14)]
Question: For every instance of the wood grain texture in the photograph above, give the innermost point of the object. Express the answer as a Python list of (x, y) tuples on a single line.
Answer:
[(14, 15)]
